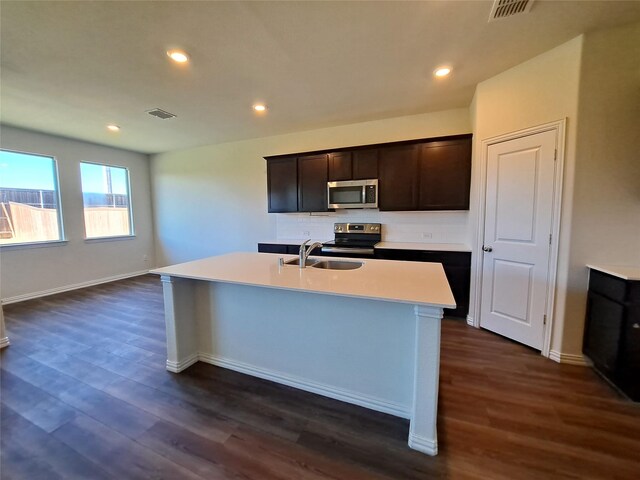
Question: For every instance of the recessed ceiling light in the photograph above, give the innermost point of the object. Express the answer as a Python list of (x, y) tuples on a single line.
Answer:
[(113, 128), (442, 71), (259, 107), (179, 56)]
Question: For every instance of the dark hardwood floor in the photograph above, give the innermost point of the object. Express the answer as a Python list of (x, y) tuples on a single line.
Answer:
[(85, 395)]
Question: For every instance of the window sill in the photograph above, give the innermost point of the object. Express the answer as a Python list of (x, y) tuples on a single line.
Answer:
[(109, 239), (20, 246)]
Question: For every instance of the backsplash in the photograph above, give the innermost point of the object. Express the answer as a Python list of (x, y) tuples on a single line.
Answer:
[(413, 227)]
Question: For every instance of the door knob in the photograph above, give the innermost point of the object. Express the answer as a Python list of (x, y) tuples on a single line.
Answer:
[(487, 249)]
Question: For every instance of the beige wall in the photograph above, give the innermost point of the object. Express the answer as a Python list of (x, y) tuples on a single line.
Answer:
[(605, 221), (541, 90), (32, 270), (213, 199), (594, 82)]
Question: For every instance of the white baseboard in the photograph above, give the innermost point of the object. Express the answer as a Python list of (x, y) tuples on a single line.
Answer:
[(422, 444), (4, 342), (67, 288), (343, 395), (177, 367), (569, 358)]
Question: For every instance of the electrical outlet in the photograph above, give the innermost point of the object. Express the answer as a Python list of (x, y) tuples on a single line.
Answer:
[(426, 235), (306, 233), (145, 258)]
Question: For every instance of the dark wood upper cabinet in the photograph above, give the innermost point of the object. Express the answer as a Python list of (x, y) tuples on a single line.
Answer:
[(354, 165), (445, 175), (398, 177), (340, 166), (425, 174), (312, 183), (282, 177), (365, 164)]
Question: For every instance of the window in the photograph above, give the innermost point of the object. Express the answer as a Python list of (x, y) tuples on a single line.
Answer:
[(107, 209), (29, 200)]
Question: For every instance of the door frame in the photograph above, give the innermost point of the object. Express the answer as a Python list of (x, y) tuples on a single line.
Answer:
[(559, 127)]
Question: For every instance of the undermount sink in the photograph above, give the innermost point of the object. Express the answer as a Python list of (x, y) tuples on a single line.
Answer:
[(326, 264), (296, 261), (337, 265)]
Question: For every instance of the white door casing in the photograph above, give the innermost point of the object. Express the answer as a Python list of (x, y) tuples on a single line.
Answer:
[(517, 240)]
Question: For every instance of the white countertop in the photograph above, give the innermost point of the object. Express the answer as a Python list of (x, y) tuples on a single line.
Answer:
[(626, 272), (439, 247), (420, 283)]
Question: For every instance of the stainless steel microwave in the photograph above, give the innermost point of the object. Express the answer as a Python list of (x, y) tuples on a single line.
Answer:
[(353, 194)]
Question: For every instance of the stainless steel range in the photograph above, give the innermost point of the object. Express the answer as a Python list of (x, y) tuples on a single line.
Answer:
[(353, 239)]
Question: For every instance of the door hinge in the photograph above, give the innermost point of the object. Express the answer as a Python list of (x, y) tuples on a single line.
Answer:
[(550, 235), (555, 155), (544, 319)]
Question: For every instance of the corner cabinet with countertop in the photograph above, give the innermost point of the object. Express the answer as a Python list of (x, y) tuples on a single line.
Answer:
[(612, 326), (413, 175)]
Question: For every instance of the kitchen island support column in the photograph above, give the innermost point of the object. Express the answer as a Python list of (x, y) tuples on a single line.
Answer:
[(422, 432), (180, 318)]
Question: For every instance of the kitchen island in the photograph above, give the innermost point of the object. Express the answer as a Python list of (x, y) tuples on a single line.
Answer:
[(369, 336)]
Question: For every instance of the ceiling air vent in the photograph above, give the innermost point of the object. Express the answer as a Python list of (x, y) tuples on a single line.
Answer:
[(158, 112), (509, 8)]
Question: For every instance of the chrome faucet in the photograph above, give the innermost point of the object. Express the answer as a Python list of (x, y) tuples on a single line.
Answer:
[(306, 251)]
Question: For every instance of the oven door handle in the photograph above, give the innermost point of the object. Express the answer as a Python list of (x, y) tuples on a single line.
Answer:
[(364, 251)]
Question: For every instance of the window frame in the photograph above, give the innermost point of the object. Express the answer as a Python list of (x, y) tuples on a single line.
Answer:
[(132, 232), (62, 238)]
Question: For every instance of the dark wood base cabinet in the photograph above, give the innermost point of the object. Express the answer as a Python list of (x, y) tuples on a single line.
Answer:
[(612, 330), (286, 249), (457, 268)]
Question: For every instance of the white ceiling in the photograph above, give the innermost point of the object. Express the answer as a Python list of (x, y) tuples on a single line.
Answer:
[(69, 68)]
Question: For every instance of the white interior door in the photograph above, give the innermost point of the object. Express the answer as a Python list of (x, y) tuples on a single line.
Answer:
[(517, 237)]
